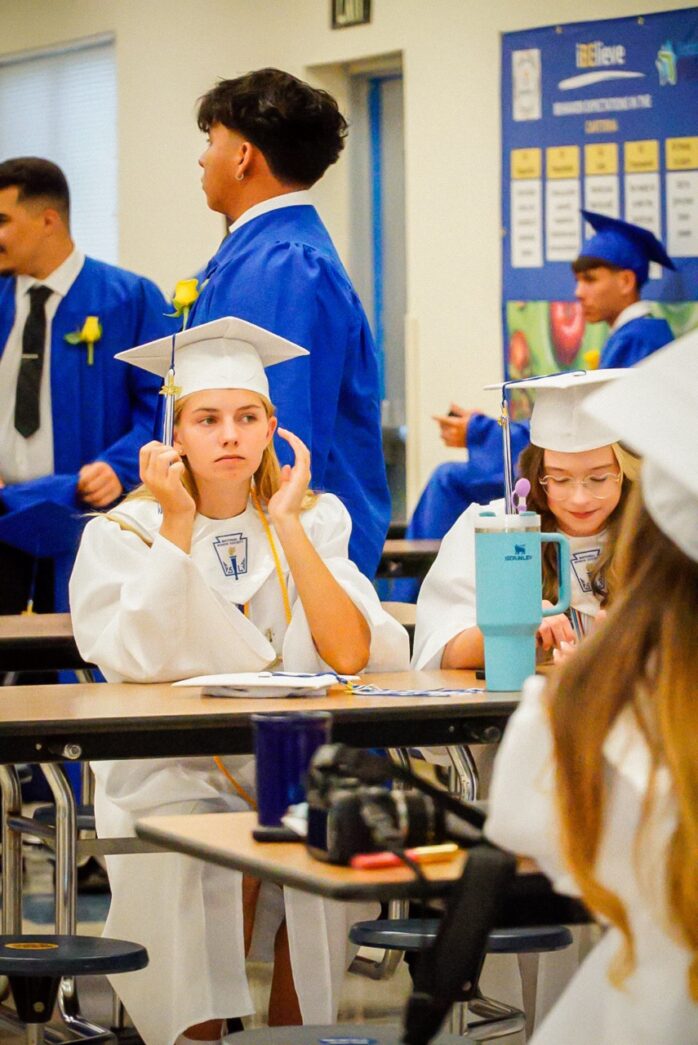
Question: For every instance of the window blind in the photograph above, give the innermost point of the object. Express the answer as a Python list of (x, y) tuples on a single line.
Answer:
[(61, 105)]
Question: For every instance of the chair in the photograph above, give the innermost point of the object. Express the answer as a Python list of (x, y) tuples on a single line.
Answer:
[(35, 966), (416, 934)]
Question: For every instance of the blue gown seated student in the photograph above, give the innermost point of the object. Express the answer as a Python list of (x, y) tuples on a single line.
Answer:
[(596, 776), (610, 271), (270, 138), (71, 419), (220, 562)]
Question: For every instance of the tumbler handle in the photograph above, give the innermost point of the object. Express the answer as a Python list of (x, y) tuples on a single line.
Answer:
[(563, 572)]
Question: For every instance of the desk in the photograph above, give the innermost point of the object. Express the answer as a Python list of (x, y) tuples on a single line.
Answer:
[(130, 720), (122, 721), (38, 642), (226, 839), (407, 558)]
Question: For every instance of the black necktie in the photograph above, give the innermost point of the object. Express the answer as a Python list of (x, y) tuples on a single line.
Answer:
[(29, 378)]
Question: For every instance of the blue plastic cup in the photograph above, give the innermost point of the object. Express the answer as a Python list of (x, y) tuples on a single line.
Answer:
[(284, 745), (508, 583)]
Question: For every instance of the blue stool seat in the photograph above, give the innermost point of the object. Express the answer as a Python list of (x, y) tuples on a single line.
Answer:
[(415, 934), (35, 964), (38, 955), (85, 816)]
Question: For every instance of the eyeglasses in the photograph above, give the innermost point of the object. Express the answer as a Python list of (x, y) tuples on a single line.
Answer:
[(600, 487)]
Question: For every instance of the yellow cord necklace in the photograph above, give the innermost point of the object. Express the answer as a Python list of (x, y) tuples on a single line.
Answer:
[(239, 789)]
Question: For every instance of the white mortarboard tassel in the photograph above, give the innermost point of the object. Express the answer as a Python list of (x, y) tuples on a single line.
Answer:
[(226, 353), (654, 410)]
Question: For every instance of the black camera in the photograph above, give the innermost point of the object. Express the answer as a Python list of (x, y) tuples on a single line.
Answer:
[(350, 810)]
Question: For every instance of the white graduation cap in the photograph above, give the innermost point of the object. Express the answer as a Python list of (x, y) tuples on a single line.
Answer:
[(226, 353), (557, 422), (655, 411)]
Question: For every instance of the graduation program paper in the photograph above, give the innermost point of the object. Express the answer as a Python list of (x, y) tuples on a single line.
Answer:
[(267, 684)]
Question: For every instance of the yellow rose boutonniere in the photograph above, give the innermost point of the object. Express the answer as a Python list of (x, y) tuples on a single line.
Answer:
[(91, 331), (592, 358), (185, 294)]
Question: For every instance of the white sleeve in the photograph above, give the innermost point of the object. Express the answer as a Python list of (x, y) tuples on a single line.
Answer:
[(329, 528), (146, 614), (446, 603), (522, 814)]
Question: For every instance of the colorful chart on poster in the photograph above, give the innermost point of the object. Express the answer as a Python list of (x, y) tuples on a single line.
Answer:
[(600, 115)]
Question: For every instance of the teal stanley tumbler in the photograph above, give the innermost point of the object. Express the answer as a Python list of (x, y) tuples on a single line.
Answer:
[(509, 599)]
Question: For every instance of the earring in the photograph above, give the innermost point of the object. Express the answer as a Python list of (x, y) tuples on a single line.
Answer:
[(240, 176)]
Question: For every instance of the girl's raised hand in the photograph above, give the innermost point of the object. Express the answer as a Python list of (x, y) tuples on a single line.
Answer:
[(161, 469), (286, 502)]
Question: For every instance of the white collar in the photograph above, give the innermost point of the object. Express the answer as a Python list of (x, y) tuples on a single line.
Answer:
[(301, 198), (60, 280), (637, 310)]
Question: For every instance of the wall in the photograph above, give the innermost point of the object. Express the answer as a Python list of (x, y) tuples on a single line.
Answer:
[(170, 51)]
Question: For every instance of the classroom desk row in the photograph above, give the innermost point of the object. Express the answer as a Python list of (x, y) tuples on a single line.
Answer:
[(48, 724)]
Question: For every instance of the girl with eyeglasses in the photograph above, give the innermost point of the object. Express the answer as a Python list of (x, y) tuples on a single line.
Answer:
[(580, 481)]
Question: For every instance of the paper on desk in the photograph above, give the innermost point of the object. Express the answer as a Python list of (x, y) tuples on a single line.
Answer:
[(265, 684)]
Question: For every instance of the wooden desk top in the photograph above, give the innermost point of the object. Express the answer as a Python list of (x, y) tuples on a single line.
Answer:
[(129, 720), (38, 642), (409, 549), (226, 839), (35, 627)]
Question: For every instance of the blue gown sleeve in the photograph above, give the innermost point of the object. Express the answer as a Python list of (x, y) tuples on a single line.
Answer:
[(149, 323), (485, 443), (635, 341)]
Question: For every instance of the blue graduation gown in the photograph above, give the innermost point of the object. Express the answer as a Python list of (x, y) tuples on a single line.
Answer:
[(635, 340), (454, 485), (101, 412), (281, 271)]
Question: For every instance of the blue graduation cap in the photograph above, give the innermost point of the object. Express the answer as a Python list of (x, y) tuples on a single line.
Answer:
[(44, 529), (624, 245)]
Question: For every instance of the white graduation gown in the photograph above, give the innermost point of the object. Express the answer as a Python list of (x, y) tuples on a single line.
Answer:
[(144, 611), (653, 1003), (446, 603)]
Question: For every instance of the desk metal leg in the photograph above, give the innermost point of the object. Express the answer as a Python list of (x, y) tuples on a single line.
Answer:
[(66, 852), (66, 896), (465, 771), (11, 852)]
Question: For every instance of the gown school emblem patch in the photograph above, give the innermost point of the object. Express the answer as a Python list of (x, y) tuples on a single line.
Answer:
[(581, 562), (231, 549)]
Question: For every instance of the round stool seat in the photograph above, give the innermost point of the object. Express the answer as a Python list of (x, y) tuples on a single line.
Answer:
[(37, 955), (414, 934), (339, 1034), (85, 816)]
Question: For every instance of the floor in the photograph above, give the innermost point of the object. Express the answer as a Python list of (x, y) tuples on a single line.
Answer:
[(363, 1000)]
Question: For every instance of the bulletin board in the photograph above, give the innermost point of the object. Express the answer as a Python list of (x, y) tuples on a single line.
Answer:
[(601, 115)]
